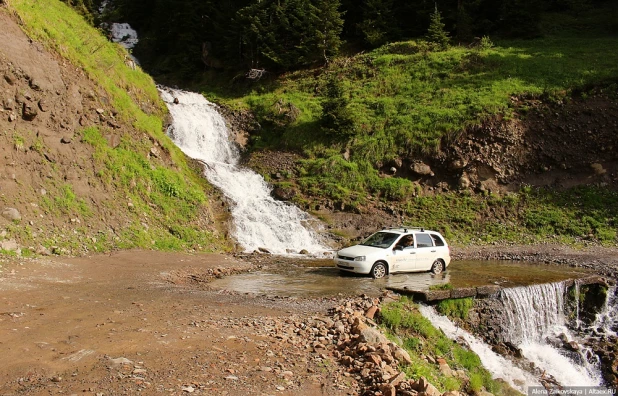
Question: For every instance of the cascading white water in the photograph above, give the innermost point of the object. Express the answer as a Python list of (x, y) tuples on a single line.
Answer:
[(606, 321), (260, 221), (535, 314), (498, 366)]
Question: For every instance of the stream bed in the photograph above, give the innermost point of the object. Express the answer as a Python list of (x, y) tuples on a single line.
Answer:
[(319, 278)]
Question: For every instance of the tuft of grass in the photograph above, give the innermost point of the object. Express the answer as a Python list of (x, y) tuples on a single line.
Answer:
[(455, 307), (444, 286)]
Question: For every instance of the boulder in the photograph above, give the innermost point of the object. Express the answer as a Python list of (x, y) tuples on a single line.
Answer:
[(421, 169), (401, 355), (283, 194), (11, 214), (370, 335), (9, 245)]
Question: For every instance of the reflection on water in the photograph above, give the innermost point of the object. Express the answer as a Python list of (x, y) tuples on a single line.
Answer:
[(318, 278)]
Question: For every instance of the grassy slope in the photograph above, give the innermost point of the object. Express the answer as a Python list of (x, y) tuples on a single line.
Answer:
[(407, 99), (174, 200), (405, 324)]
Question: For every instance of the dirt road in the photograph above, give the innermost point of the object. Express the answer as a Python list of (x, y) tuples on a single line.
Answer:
[(132, 322)]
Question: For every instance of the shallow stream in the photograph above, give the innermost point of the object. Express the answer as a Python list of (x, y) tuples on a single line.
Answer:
[(319, 278)]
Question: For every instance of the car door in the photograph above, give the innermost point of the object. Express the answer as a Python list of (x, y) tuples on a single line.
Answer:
[(404, 255), (425, 251)]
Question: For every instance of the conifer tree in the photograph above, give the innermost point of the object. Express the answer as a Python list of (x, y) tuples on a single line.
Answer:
[(337, 119), (436, 32), (329, 27)]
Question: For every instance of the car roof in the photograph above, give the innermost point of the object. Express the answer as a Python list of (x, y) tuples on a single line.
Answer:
[(408, 230)]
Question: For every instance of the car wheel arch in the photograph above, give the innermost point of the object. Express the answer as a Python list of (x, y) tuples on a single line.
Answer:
[(386, 264)]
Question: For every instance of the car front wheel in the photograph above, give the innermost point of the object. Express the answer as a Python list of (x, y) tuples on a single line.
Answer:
[(437, 267), (378, 271)]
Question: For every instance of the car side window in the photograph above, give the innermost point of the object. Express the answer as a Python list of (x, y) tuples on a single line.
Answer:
[(437, 240), (423, 240)]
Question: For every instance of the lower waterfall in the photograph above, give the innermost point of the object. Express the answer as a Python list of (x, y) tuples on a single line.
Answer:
[(534, 318)]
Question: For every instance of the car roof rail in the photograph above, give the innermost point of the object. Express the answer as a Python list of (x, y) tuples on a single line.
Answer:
[(406, 228)]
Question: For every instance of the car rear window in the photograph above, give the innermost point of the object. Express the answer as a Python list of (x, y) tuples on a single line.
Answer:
[(437, 240), (423, 240)]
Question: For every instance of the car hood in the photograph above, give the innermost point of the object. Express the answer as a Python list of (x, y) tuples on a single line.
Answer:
[(360, 250)]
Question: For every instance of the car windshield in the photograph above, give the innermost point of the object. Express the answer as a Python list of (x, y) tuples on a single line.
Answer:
[(381, 240)]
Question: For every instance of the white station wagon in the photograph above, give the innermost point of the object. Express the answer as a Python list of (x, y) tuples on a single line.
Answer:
[(396, 250)]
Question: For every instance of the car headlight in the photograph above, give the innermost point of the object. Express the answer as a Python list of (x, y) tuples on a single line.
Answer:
[(359, 258)]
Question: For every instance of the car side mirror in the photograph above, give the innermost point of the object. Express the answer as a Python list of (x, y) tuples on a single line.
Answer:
[(398, 247)]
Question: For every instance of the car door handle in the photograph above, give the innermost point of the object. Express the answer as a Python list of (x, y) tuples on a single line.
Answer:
[(433, 251), (412, 252)]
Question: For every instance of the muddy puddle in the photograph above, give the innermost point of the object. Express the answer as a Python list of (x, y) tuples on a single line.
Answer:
[(319, 278)]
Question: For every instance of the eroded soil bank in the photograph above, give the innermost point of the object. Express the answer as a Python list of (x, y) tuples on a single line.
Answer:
[(146, 321)]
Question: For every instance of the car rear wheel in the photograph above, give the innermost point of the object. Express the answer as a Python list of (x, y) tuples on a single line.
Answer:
[(378, 271), (437, 267)]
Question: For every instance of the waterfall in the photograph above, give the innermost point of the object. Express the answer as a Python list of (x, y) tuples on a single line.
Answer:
[(534, 317), (259, 220), (606, 321), (498, 366)]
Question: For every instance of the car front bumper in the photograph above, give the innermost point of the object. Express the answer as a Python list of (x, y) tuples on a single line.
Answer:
[(358, 267)]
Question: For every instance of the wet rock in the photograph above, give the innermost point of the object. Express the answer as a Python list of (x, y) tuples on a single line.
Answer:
[(463, 292), (572, 345), (11, 214), (487, 290), (283, 194), (304, 251)]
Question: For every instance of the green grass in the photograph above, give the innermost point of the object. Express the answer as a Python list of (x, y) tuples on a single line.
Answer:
[(403, 319), (455, 307), (169, 201)]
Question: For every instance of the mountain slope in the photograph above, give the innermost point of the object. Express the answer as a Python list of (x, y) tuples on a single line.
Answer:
[(85, 165)]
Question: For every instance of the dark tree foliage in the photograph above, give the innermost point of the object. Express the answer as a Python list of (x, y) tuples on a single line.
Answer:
[(436, 32), (337, 118), (285, 34), (378, 25), (188, 36)]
